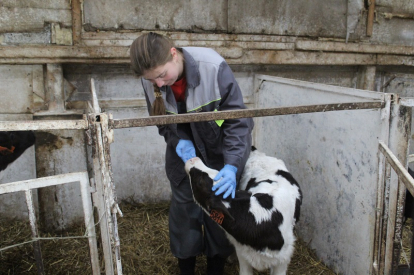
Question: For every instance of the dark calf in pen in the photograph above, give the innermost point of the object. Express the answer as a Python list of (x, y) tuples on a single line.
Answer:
[(12, 146), (409, 201), (259, 222), (409, 213)]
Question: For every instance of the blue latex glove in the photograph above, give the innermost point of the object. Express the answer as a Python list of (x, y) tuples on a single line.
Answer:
[(185, 150), (227, 183)]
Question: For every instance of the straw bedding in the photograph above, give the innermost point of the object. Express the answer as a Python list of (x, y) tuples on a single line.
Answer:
[(144, 248)]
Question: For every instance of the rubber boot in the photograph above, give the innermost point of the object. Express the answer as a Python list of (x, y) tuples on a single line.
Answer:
[(187, 266), (215, 265)]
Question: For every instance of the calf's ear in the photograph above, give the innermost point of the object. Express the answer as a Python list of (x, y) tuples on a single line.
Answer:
[(219, 206)]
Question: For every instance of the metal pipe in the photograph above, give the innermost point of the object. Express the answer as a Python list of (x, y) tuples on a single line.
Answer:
[(398, 167), (44, 125), (209, 116), (40, 182)]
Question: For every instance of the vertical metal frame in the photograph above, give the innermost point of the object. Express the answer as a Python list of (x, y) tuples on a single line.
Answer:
[(393, 180), (100, 137), (381, 211), (105, 197), (405, 181)]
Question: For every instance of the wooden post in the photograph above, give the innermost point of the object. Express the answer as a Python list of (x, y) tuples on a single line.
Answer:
[(76, 22), (370, 21)]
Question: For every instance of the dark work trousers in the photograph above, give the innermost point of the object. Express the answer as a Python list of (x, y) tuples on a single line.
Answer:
[(186, 219)]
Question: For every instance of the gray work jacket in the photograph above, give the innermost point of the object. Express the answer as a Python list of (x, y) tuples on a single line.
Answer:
[(211, 86)]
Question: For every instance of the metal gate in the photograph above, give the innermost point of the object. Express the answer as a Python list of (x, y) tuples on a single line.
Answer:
[(28, 185), (97, 187), (327, 135)]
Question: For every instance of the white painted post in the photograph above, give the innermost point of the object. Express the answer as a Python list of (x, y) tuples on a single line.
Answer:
[(89, 223), (35, 234)]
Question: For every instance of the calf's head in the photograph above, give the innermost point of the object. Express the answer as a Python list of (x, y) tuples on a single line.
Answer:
[(201, 180), (13, 144)]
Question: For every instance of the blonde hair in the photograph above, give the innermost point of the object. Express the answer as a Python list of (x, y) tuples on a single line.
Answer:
[(147, 52)]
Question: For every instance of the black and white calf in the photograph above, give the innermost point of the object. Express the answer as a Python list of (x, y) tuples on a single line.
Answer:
[(12, 146), (259, 221)]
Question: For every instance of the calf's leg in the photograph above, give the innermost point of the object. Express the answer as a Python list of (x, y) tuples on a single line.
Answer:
[(245, 267), (279, 269)]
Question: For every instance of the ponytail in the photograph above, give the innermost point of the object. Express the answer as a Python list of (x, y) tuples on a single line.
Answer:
[(158, 106)]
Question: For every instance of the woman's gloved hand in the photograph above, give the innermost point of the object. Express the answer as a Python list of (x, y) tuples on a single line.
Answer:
[(185, 150), (227, 183)]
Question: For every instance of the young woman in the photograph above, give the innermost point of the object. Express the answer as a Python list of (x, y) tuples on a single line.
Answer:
[(190, 80)]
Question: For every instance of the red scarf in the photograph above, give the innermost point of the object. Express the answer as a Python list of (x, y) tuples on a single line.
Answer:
[(178, 89)]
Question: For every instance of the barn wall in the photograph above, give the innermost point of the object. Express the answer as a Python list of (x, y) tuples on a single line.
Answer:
[(301, 39), (313, 18)]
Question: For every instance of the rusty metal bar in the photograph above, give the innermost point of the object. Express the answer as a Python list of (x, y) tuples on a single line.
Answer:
[(398, 167), (35, 234), (208, 116), (43, 125)]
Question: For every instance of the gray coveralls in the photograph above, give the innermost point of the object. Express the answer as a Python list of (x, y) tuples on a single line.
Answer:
[(211, 86)]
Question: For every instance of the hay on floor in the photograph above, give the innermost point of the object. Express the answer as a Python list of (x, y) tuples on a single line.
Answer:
[(145, 248), (406, 242)]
